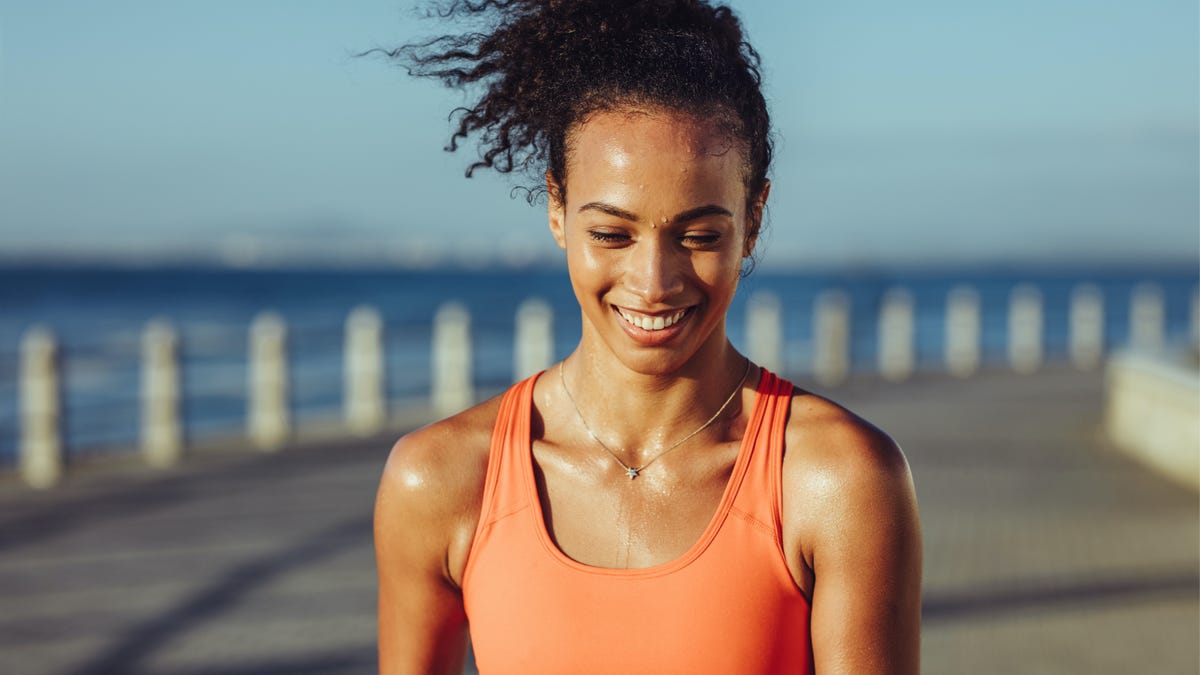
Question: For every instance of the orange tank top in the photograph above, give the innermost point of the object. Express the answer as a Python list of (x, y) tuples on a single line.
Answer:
[(727, 605)]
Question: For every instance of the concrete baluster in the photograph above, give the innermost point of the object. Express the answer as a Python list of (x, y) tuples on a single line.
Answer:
[(534, 340), (1195, 318), (1146, 315), (1086, 327), (365, 399), (41, 445), (831, 354), (453, 389), (1025, 329), (269, 412), (162, 395), (963, 331), (897, 359), (764, 331)]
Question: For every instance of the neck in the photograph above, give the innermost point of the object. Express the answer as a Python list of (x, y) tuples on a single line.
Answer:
[(638, 414)]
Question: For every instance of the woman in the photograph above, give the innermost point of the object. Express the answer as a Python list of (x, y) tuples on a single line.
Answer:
[(656, 503)]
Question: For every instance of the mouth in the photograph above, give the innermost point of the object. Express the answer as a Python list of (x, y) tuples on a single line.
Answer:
[(652, 329), (652, 322)]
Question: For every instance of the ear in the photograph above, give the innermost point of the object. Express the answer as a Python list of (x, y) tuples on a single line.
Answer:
[(557, 210), (754, 225)]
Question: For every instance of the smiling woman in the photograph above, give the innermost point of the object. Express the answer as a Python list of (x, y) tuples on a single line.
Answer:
[(663, 504)]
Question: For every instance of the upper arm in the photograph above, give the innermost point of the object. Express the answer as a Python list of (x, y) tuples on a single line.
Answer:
[(421, 510), (861, 540)]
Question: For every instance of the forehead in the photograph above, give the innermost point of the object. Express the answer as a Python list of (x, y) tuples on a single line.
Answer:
[(658, 146)]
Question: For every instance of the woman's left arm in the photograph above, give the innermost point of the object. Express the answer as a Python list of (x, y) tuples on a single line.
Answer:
[(861, 544)]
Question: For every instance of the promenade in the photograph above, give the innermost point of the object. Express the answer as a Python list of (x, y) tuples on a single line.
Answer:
[(1046, 551)]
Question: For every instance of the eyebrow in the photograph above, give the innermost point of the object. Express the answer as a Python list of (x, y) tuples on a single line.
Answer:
[(609, 209), (690, 214)]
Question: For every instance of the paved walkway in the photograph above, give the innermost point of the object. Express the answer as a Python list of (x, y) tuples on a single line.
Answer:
[(1046, 551)]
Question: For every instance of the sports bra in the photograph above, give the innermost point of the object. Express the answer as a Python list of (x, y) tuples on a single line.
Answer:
[(728, 605)]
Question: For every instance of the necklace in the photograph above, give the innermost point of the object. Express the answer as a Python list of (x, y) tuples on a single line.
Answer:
[(633, 471)]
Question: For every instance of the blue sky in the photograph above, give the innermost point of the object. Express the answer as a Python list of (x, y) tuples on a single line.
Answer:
[(929, 131)]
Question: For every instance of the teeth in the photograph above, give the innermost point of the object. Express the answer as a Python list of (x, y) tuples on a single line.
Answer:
[(652, 322)]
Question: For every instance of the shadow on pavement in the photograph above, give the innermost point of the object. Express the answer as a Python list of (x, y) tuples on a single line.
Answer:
[(31, 517), (210, 601), (342, 662), (76, 512), (1031, 596)]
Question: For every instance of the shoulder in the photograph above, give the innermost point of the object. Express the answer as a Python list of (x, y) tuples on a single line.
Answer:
[(829, 441), (431, 489), (443, 457), (844, 477)]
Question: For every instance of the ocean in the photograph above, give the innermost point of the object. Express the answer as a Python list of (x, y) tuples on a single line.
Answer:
[(98, 313)]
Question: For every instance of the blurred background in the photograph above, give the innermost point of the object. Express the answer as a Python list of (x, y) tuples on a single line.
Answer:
[(995, 206)]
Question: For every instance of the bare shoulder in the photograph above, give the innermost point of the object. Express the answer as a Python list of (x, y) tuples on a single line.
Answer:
[(844, 475), (431, 489), (826, 441), (445, 458)]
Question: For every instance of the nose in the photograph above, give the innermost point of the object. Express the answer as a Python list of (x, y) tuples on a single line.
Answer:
[(655, 271)]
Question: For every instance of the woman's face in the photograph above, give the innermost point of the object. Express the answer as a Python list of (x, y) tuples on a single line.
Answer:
[(655, 229)]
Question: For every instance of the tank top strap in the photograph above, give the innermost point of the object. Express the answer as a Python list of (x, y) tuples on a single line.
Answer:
[(760, 495), (503, 492)]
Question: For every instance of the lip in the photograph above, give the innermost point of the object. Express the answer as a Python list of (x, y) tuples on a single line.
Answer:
[(654, 338)]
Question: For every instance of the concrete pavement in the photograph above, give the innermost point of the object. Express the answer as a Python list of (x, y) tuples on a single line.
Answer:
[(1046, 550)]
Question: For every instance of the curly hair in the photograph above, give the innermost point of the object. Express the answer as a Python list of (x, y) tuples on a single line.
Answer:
[(545, 65)]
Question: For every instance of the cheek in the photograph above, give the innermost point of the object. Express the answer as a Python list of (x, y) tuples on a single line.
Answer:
[(720, 274), (588, 272), (586, 259)]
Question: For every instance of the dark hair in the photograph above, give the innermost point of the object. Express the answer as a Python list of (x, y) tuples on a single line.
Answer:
[(545, 65)]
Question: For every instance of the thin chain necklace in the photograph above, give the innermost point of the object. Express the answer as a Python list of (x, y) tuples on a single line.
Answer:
[(633, 471)]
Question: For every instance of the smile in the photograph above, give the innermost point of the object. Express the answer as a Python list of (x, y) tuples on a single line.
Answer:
[(651, 322)]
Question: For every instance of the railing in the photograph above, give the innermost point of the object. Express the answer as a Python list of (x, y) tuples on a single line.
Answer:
[(270, 423)]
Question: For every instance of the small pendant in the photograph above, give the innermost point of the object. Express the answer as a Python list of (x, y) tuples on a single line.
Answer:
[(631, 472)]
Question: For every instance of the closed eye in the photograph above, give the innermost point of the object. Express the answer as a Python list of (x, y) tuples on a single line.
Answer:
[(701, 240), (607, 237)]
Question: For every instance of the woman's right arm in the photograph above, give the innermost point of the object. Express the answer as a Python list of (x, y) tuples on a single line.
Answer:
[(422, 513)]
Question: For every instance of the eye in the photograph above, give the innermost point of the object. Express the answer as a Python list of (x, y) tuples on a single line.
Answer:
[(700, 240), (607, 237)]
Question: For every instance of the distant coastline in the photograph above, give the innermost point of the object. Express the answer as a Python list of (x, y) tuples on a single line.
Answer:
[(1177, 266)]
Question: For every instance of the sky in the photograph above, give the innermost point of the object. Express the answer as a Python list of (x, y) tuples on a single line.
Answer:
[(928, 132)]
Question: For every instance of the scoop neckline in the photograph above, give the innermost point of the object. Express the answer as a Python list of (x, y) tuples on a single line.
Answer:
[(688, 556)]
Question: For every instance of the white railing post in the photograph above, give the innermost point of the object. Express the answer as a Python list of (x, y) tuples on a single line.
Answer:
[(364, 398), (162, 428), (831, 353), (453, 389), (896, 330), (962, 331), (1146, 314), (764, 331), (533, 348), (41, 446), (1025, 329), (1086, 327), (269, 413), (1195, 318)]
